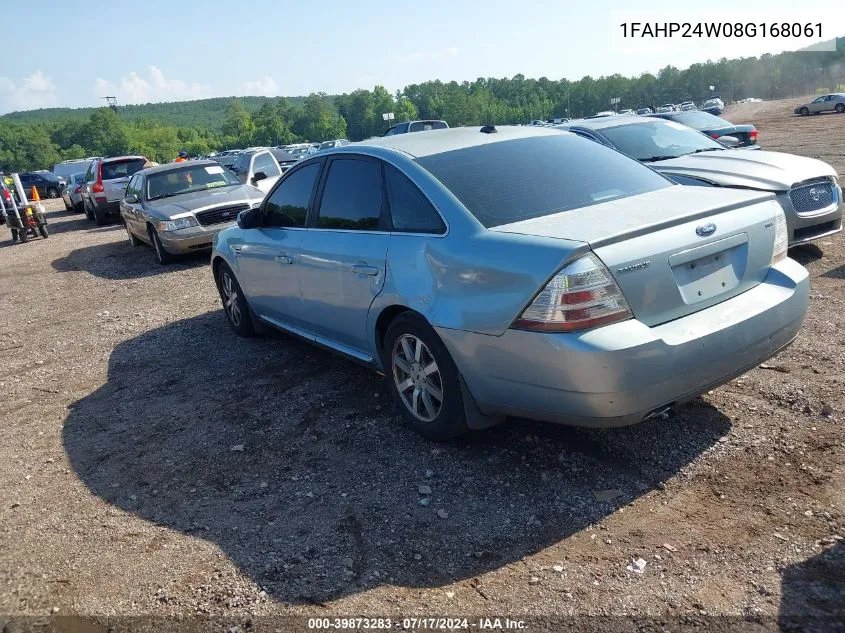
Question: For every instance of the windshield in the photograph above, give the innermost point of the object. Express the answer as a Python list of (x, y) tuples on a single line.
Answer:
[(175, 182), (509, 181), (658, 139)]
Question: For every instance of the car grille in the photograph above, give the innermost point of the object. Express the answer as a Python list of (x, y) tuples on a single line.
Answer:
[(220, 214), (812, 197)]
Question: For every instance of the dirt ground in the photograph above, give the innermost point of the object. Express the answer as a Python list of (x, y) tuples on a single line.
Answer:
[(153, 464)]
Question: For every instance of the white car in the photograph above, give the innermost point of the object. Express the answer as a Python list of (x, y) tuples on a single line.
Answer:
[(257, 168)]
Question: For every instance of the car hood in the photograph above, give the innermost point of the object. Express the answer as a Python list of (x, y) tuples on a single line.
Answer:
[(768, 171), (199, 200)]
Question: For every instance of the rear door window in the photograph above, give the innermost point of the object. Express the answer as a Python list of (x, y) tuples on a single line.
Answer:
[(122, 169), (509, 181)]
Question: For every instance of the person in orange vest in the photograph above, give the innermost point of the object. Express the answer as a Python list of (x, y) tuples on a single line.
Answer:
[(182, 157)]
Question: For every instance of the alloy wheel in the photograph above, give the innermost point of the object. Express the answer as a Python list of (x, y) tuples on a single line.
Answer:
[(230, 298), (417, 378)]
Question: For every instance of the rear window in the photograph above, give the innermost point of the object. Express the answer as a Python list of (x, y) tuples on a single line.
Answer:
[(701, 120), (510, 181), (422, 126), (122, 168)]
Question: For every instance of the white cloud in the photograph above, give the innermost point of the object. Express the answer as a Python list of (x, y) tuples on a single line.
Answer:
[(35, 91), (151, 88), (264, 87), (429, 56)]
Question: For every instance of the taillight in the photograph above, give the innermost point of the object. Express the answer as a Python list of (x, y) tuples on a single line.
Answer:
[(78, 189), (97, 187), (781, 244), (752, 135), (582, 295)]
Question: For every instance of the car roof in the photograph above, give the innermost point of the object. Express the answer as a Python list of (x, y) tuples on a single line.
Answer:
[(122, 158), (430, 142), (171, 166)]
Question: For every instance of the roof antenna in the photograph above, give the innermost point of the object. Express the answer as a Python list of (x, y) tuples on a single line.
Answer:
[(488, 129)]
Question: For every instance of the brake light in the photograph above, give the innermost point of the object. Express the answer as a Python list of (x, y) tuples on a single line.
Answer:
[(97, 187), (582, 295), (752, 135)]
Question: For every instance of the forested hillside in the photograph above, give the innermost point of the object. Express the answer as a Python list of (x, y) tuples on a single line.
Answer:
[(37, 139)]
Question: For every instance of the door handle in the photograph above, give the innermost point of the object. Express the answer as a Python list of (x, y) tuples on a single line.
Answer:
[(236, 250), (284, 259), (363, 269)]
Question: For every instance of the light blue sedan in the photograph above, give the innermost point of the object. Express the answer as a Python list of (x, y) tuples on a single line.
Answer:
[(515, 271)]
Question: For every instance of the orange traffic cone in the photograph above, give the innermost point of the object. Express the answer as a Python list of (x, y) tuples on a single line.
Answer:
[(35, 197)]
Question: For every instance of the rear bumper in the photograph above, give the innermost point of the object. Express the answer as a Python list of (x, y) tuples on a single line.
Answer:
[(107, 209), (617, 375), (196, 238)]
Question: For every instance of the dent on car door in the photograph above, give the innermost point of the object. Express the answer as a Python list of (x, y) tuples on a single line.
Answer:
[(268, 257), (343, 254)]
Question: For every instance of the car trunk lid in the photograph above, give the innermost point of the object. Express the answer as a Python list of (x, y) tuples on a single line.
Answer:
[(674, 251)]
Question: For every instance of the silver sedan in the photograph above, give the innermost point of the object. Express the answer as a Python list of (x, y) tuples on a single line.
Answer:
[(515, 271), (178, 208)]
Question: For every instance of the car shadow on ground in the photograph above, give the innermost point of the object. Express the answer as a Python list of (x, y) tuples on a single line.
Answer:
[(290, 459), (813, 593), (120, 261), (806, 253)]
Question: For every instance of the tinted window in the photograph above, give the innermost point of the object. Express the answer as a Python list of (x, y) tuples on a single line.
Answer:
[(352, 196), (701, 120), (527, 178), (266, 163), (288, 205), (132, 187), (657, 139), (410, 210), (420, 126), (123, 168)]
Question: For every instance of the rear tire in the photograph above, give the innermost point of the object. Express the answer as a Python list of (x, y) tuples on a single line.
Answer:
[(14, 235), (162, 256), (99, 217), (23, 235), (45, 233), (235, 306), (423, 379), (840, 107), (804, 111), (52, 192)]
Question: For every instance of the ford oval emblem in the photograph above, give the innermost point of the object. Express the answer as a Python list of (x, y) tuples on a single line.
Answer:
[(705, 229)]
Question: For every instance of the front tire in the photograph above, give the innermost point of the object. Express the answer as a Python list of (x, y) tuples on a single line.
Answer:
[(52, 192), (133, 241), (44, 232), (86, 209), (162, 256), (805, 111), (234, 302), (423, 379)]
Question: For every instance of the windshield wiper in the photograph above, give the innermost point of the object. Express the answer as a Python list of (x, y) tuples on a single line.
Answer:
[(709, 149), (654, 159), (167, 195)]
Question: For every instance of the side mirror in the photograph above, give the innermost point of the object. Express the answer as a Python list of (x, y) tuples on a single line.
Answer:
[(250, 219), (259, 176), (131, 199), (728, 141)]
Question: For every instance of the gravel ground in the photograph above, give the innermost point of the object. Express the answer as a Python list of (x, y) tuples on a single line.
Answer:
[(153, 464)]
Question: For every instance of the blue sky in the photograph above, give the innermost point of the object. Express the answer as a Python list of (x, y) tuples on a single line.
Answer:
[(170, 50)]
